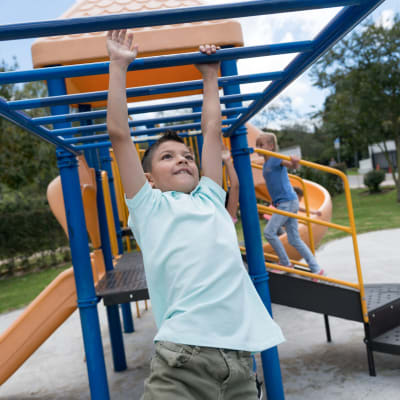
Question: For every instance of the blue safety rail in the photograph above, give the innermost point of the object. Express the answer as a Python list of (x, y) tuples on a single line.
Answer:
[(72, 140)]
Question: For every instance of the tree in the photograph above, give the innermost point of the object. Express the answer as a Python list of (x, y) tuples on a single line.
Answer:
[(363, 73), (314, 146), (25, 160), (278, 111)]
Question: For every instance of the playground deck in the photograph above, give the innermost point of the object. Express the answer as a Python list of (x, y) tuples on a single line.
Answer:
[(311, 368)]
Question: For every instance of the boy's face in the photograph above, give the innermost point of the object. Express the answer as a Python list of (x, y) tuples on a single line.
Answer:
[(173, 168)]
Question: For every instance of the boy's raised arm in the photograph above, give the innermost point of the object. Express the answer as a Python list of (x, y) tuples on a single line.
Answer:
[(211, 118), (122, 52)]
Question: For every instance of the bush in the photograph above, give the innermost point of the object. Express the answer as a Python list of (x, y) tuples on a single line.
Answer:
[(27, 226), (373, 179), (332, 183)]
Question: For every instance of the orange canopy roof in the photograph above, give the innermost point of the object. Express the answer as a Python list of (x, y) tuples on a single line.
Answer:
[(167, 39)]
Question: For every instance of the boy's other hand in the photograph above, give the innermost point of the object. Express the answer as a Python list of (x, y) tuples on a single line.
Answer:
[(208, 68), (120, 47)]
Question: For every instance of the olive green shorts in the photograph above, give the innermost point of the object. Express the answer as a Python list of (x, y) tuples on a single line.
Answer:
[(182, 372)]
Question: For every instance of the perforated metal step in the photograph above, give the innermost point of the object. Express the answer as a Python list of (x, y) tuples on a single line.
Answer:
[(127, 282), (380, 295), (388, 342)]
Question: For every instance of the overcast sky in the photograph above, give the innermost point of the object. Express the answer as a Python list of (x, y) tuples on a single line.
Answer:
[(257, 30)]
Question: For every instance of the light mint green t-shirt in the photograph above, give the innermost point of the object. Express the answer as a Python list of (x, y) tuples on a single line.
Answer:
[(200, 291)]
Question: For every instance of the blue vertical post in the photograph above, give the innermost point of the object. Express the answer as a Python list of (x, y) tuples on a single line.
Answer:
[(105, 160), (252, 235), (87, 300), (114, 323)]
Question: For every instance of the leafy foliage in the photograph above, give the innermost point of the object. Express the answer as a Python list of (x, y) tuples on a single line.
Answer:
[(26, 162), (27, 226), (315, 146), (332, 183), (363, 73)]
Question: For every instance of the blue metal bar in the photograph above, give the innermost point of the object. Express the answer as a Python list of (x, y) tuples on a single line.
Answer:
[(105, 161), (138, 91), (78, 239), (134, 110), (334, 31), (114, 322), (162, 17), (126, 311), (155, 62), (149, 131), (91, 155), (149, 123), (87, 300), (252, 237), (108, 143), (22, 120)]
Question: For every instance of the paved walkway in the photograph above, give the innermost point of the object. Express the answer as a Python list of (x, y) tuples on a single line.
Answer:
[(312, 369)]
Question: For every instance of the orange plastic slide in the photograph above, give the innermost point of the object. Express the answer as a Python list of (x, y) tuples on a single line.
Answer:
[(37, 322), (318, 199)]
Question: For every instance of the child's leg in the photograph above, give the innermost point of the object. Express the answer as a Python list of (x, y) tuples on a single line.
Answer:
[(292, 230), (270, 233), (181, 372)]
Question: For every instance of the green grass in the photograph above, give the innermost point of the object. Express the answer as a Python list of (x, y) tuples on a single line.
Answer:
[(372, 212), (352, 171), (18, 291)]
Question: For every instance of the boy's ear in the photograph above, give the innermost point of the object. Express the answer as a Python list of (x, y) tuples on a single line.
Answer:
[(149, 178)]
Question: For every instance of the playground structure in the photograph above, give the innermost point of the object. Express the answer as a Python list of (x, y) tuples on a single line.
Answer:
[(82, 86)]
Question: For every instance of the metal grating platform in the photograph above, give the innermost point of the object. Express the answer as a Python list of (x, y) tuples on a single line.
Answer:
[(126, 283), (379, 295), (388, 342)]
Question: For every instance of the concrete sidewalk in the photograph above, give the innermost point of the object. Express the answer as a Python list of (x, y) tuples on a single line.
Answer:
[(312, 369)]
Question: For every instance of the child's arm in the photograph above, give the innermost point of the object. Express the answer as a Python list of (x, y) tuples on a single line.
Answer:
[(293, 163), (211, 118), (233, 199), (122, 52)]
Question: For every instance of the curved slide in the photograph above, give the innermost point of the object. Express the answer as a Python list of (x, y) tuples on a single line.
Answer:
[(318, 199), (37, 322)]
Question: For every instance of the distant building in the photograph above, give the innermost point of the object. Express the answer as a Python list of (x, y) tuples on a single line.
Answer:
[(377, 156), (291, 151)]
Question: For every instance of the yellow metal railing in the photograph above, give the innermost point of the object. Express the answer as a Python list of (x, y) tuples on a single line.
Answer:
[(267, 210), (351, 229)]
